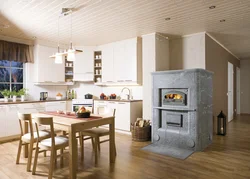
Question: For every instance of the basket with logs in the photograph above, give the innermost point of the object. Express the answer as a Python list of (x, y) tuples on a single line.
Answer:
[(141, 130)]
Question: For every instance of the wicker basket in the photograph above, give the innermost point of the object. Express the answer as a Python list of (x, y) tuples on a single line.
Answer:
[(141, 134)]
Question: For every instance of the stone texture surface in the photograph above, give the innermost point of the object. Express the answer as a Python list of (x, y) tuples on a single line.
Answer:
[(195, 118)]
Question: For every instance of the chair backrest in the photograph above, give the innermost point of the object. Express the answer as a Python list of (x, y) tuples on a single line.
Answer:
[(45, 121), (25, 118)]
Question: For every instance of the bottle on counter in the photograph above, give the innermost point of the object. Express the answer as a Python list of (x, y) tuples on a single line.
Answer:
[(69, 95), (73, 94)]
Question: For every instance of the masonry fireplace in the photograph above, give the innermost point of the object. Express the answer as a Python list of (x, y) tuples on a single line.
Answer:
[(182, 112)]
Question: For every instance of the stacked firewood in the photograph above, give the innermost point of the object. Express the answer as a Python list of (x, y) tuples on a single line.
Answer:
[(141, 122)]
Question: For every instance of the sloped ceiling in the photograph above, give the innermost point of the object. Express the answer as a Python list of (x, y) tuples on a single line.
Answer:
[(98, 22)]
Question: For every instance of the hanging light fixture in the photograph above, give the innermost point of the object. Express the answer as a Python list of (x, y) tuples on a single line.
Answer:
[(71, 52), (58, 56)]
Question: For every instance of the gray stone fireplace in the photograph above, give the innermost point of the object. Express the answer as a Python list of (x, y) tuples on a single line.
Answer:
[(182, 112)]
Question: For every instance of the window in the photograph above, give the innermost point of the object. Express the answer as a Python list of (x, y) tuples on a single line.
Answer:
[(11, 75)]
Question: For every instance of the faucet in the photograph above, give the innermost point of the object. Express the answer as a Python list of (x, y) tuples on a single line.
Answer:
[(129, 92)]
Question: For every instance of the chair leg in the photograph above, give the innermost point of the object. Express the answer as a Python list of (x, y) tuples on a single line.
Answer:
[(93, 143), (95, 149), (52, 163), (19, 152), (98, 143), (30, 156), (35, 160), (55, 158), (115, 149), (44, 154), (61, 157)]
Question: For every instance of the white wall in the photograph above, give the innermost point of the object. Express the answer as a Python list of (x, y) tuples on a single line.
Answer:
[(188, 52), (245, 86), (155, 57)]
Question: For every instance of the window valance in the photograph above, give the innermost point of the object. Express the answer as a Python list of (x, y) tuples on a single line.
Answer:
[(16, 52)]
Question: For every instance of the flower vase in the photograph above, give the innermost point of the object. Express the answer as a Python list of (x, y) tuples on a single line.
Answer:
[(6, 99), (22, 98), (14, 98)]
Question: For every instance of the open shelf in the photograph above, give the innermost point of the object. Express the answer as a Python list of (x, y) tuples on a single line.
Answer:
[(97, 66)]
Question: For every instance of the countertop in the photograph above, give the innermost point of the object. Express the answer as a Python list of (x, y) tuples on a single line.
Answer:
[(25, 102), (119, 100)]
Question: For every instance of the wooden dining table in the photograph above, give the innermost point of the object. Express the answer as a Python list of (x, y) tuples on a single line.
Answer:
[(72, 125)]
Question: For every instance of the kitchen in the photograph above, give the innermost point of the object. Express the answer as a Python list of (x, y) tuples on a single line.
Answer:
[(144, 79)]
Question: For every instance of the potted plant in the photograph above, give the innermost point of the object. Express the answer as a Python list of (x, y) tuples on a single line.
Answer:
[(6, 93), (22, 93), (14, 94)]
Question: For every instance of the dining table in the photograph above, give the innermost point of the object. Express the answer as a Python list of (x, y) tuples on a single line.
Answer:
[(72, 125)]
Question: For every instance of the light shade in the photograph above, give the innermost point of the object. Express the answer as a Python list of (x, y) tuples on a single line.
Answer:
[(59, 58), (71, 55)]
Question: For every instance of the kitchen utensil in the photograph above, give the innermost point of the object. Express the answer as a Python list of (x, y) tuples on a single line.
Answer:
[(88, 96)]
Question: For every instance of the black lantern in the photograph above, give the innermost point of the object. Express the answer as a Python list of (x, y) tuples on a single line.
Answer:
[(221, 124)]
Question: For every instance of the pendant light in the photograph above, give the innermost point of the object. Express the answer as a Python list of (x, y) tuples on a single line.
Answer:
[(71, 52), (58, 56)]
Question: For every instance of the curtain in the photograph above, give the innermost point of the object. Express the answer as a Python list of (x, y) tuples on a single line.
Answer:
[(16, 52)]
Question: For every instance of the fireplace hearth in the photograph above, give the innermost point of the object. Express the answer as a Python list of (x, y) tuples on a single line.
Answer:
[(182, 112)]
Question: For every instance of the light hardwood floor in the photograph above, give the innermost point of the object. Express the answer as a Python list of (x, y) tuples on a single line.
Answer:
[(228, 157)]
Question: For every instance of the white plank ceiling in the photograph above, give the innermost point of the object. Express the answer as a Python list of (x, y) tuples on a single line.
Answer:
[(98, 22)]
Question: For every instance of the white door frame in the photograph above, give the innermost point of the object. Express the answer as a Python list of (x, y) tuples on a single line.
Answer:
[(230, 92), (238, 89)]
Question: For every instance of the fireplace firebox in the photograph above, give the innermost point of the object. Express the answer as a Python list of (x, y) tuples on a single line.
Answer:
[(174, 97)]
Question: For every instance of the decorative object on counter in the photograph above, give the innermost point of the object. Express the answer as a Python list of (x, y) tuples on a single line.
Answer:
[(14, 94), (59, 96), (43, 96), (83, 112), (23, 92), (103, 96), (112, 96), (88, 96), (221, 124), (141, 130), (6, 93)]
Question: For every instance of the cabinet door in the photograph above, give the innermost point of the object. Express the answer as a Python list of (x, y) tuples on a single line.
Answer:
[(100, 107), (130, 64), (3, 114), (122, 116), (84, 65), (55, 106), (12, 122), (47, 70), (119, 61), (107, 63)]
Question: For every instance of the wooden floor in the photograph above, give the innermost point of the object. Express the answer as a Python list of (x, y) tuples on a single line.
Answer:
[(228, 157)]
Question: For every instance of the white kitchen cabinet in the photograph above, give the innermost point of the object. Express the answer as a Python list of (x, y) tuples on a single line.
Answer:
[(3, 115), (122, 62), (125, 114), (45, 68), (12, 122), (69, 105), (107, 63), (31, 107), (55, 106), (84, 64)]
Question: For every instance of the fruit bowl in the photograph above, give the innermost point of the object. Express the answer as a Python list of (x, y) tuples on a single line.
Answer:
[(83, 115)]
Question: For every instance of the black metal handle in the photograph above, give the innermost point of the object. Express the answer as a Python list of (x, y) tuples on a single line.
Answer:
[(173, 124)]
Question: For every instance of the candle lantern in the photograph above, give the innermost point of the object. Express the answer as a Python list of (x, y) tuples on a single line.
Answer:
[(221, 124)]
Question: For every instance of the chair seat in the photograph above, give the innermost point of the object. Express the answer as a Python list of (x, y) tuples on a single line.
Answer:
[(59, 141), (97, 131), (42, 135)]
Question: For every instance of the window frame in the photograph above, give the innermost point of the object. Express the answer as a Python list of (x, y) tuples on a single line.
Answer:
[(10, 68)]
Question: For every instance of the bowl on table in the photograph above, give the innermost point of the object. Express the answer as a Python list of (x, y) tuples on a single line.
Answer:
[(83, 115)]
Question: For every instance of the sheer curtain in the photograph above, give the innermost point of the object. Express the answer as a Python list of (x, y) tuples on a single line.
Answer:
[(16, 52)]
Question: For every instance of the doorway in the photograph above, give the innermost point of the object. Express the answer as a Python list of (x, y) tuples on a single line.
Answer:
[(230, 92), (238, 89)]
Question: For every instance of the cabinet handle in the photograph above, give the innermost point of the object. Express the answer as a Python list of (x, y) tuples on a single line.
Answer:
[(47, 81), (110, 81), (111, 102), (60, 81), (121, 103), (129, 80), (120, 80)]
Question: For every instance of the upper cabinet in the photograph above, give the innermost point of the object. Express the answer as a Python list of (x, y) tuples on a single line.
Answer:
[(44, 68), (84, 64), (122, 62)]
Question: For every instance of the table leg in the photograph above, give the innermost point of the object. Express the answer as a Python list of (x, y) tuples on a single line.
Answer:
[(112, 142), (25, 147), (72, 153)]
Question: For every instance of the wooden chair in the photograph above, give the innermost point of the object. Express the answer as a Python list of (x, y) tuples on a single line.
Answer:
[(29, 138), (51, 144), (96, 134)]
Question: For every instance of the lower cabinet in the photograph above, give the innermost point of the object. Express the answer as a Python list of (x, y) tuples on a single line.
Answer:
[(12, 121), (125, 114), (55, 106), (3, 114)]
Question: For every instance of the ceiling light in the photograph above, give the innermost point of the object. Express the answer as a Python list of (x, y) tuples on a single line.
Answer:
[(59, 58), (222, 20), (212, 7), (167, 19)]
